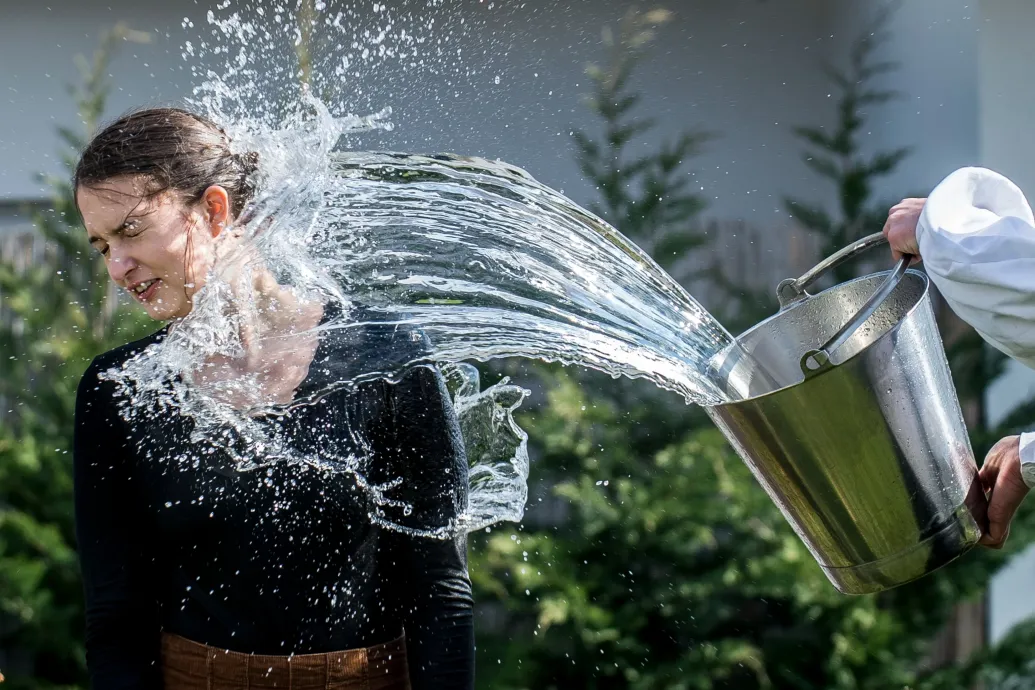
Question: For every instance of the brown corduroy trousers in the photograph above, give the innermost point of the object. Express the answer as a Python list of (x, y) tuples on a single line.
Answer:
[(188, 665)]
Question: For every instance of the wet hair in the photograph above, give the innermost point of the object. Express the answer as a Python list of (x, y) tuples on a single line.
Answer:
[(174, 150)]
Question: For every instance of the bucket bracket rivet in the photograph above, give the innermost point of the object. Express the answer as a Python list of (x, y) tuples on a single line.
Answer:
[(815, 362)]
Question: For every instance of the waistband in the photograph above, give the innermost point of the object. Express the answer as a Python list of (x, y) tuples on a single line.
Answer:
[(381, 667)]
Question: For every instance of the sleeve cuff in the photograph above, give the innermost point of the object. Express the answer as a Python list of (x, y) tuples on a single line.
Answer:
[(1027, 455)]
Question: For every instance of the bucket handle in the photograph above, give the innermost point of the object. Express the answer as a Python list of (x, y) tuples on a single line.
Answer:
[(792, 291)]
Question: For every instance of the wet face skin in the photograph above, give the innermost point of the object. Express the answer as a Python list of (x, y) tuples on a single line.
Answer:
[(161, 248), (157, 247)]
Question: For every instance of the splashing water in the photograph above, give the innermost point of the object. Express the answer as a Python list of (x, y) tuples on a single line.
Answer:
[(475, 257), (489, 263)]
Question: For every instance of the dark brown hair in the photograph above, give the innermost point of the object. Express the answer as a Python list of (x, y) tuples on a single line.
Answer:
[(175, 150)]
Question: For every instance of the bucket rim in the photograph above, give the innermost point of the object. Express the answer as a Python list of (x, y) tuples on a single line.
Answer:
[(923, 296)]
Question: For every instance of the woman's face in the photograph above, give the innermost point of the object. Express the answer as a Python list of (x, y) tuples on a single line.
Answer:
[(158, 248)]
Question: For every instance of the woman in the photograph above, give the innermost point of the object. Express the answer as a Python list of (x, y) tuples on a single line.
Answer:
[(199, 576)]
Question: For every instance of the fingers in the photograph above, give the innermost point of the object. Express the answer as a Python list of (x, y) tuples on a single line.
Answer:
[(1000, 474), (988, 475), (1002, 506), (900, 228), (989, 472)]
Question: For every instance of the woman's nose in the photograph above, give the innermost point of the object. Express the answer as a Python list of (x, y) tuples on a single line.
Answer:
[(119, 265)]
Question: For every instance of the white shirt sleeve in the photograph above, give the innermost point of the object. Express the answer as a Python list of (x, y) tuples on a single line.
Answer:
[(977, 239), (1027, 453)]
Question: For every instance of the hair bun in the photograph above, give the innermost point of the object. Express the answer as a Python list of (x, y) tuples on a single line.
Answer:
[(173, 148), (249, 161)]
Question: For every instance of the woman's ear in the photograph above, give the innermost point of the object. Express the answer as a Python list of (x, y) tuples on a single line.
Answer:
[(216, 204)]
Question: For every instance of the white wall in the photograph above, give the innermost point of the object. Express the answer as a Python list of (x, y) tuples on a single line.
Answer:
[(744, 69), (935, 43), (1006, 97), (1007, 109), (37, 45)]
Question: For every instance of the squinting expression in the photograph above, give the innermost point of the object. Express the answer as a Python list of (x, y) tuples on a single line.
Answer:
[(144, 241)]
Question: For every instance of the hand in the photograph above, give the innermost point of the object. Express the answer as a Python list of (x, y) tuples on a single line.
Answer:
[(1001, 475), (900, 228)]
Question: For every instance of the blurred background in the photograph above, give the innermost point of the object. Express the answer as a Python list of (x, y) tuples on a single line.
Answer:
[(737, 141)]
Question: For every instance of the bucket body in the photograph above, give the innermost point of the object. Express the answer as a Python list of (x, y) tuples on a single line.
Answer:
[(868, 459)]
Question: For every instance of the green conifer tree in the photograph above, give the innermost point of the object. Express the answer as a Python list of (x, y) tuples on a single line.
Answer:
[(837, 154), (57, 314)]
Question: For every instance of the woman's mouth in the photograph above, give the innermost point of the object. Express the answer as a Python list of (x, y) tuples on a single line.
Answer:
[(145, 290)]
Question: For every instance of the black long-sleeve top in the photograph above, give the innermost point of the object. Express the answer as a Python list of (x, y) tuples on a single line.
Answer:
[(283, 559)]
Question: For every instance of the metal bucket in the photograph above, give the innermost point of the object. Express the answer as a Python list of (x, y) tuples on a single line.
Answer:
[(844, 409)]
